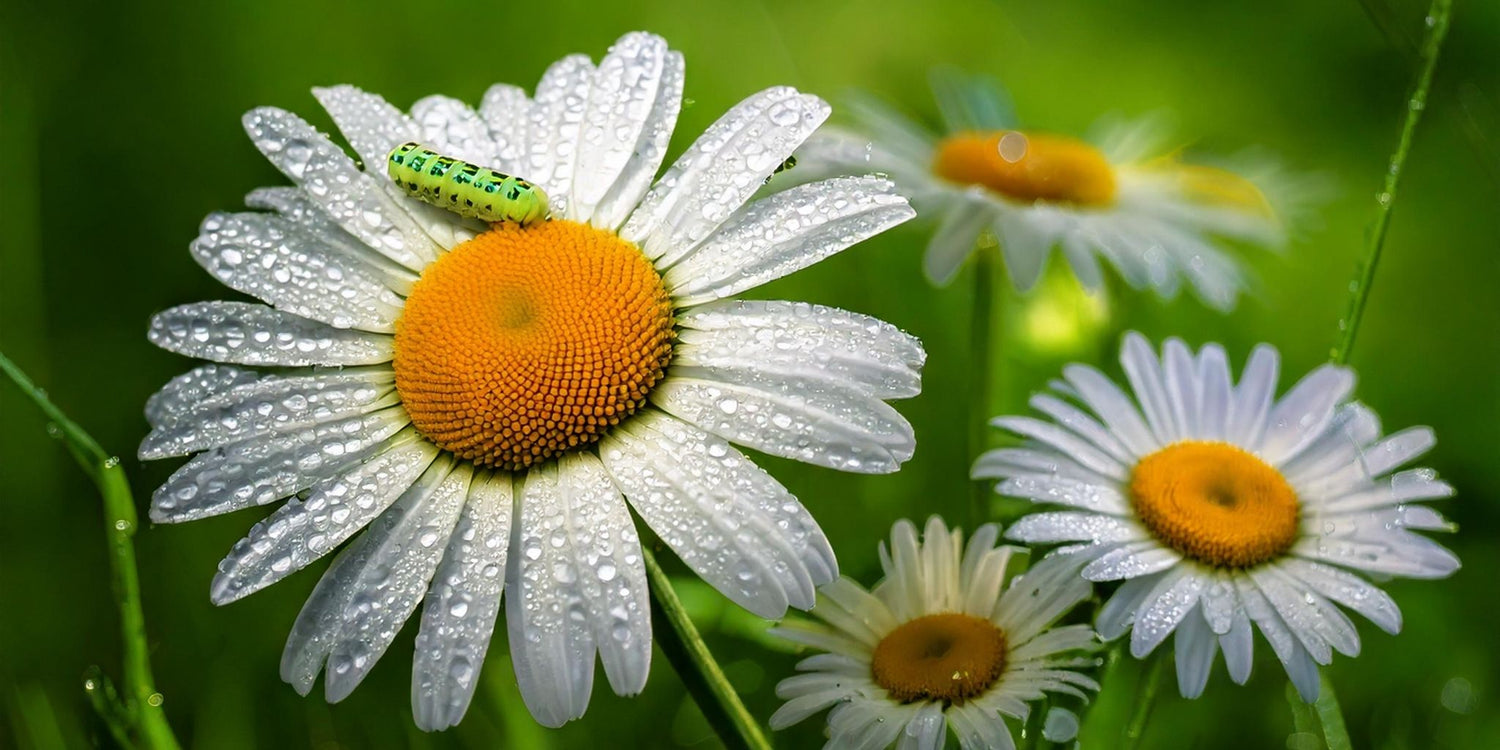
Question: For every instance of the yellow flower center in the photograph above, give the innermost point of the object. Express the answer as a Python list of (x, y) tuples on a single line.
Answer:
[(1215, 503), (1028, 167), (521, 344), (948, 657)]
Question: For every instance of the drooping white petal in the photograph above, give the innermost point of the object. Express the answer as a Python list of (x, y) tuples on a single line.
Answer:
[(250, 334), (1196, 647), (269, 258), (1314, 620), (956, 236), (553, 125), (459, 614), (260, 471), (578, 584), (722, 169), (357, 201), (271, 404), (808, 420), (926, 730), (800, 339), (977, 729), (333, 601), (622, 137), (1303, 413), (1130, 561), (1349, 590), (1239, 647), (783, 233), (394, 580), (1120, 610), (726, 518), (1039, 596), (1026, 239), (304, 530)]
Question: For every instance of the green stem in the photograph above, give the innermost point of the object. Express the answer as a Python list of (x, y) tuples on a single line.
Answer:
[(981, 344), (1331, 716), (1437, 29), (705, 681), (139, 708), (1150, 683)]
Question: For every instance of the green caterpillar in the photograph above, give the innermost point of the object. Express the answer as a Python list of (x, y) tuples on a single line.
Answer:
[(464, 188)]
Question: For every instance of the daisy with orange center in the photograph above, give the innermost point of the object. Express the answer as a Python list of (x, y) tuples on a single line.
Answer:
[(943, 641), (1155, 219), (490, 403), (1223, 509)]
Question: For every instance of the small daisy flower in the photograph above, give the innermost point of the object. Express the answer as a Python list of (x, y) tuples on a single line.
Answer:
[(490, 403), (1153, 217), (940, 642), (1224, 507)]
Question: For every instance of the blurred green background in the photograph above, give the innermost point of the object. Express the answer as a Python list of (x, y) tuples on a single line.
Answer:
[(120, 130)]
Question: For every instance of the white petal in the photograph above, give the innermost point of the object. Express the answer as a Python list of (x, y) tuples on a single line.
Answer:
[(394, 581), (621, 132), (250, 334), (800, 339), (1349, 590), (1040, 596), (729, 521), (181, 395), (977, 729), (357, 201), (332, 603), (925, 731), (1303, 413), (1130, 561), (783, 233), (1173, 597), (1083, 425), (304, 530), (296, 206), (579, 568), (553, 126), (630, 188), (1306, 612), (956, 236), (797, 418), (1143, 369), (1218, 400), (269, 258), (1026, 238), (1114, 407), (1087, 495), (1037, 463), (1120, 610), (1183, 389), (1220, 604), (1196, 647), (1072, 526), (270, 467), (1239, 647), (722, 169), (1403, 554), (1397, 449), (270, 404), (1066, 442), (458, 617), (507, 110), (368, 122), (803, 706), (451, 127), (1253, 397)]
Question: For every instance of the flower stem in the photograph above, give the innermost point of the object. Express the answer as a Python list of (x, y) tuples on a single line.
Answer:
[(136, 714), (1331, 716), (1437, 29), (981, 343), (690, 656), (1150, 684)]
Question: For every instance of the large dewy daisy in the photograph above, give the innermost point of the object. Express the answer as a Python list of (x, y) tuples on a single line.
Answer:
[(1225, 508), (1153, 217), (941, 642), (488, 400)]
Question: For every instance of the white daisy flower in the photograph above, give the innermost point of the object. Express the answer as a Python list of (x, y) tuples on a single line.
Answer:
[(1151, 216), (488, 400), (1225, 506), (941, 641)]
